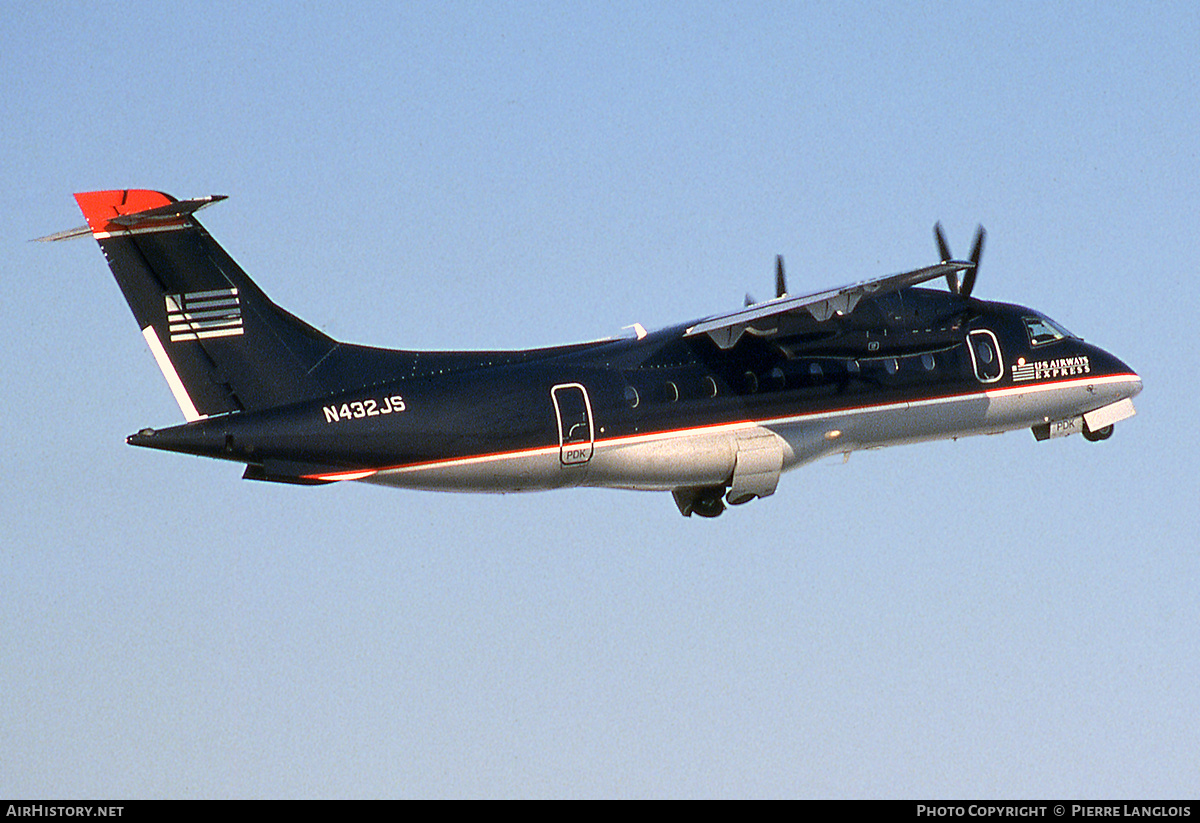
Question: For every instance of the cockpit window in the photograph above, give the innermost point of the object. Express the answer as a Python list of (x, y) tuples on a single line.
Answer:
[(1043, 330)]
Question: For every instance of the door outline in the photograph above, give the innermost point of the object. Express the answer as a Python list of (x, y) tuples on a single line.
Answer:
[(976, 365), (573, 448)]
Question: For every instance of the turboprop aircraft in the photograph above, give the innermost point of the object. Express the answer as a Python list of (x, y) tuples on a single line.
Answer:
[(711, 410)]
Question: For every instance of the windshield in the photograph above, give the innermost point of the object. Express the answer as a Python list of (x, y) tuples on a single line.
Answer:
[(1043, 330)]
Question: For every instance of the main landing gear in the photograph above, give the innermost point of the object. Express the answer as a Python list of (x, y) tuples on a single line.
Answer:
[(1097, 435), (705, 501)]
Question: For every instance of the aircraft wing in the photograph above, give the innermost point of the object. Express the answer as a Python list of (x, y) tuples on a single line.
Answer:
[(726, 329)]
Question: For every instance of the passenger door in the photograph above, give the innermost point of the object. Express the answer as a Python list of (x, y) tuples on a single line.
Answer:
[(985, 355), (576, 434)]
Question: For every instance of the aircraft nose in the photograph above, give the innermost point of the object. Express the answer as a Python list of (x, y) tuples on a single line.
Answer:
[(1136, 385), (1111, 366)]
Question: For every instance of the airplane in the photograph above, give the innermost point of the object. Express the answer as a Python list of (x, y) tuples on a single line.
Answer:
[(712, 410)]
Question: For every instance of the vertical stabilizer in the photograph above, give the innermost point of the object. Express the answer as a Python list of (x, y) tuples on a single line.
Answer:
[(221, 344)]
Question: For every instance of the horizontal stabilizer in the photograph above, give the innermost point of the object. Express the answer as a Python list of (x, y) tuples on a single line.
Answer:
[(121, 210), (79, 231), (171, 211)]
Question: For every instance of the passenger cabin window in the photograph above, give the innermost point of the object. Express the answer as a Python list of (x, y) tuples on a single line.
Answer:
[(1043, 330)]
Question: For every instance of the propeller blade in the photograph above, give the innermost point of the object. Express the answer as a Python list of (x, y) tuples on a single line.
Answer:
[(976, 253), (780, 279), (943, 246), (944, 251)]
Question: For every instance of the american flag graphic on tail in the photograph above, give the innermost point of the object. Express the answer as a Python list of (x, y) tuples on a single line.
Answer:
[(203, 314)]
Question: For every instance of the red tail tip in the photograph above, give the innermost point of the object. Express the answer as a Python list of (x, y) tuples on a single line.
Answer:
[(99, 207)]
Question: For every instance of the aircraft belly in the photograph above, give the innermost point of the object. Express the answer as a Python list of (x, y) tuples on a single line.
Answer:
[(991, 412), (1027, 406), (943, 418), (663, 462), (533, 470), (848, 430), (668, 460), (658, 462)]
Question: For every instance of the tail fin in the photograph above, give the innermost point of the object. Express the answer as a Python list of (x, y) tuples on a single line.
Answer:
[(220, 342)]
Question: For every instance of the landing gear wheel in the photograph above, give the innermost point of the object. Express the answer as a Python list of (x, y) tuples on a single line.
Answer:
[(1098, 435), (705, 501), (708, 506)]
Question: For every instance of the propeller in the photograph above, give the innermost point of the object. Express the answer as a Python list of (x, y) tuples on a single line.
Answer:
[(944, 251), (780, 282), (968, 283), (976, 253)]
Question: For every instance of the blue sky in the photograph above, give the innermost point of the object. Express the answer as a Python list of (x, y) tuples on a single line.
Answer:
[(992, 617)]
